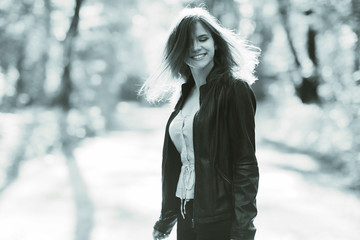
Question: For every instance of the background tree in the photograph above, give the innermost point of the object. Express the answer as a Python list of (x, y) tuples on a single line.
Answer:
[(356, 26), (93, 64)]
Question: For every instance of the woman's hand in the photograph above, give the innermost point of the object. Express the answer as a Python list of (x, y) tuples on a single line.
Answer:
[(158, 235)]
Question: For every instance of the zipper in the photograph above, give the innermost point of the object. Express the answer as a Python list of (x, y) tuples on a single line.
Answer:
[(195, 163)]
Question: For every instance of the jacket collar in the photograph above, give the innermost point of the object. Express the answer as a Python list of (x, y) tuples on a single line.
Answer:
[(186, 87)]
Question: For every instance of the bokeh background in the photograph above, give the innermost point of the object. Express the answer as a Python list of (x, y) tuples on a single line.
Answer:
[(80, 151)]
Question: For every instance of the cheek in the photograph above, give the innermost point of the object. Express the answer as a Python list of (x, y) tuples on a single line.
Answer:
[(211, 47)]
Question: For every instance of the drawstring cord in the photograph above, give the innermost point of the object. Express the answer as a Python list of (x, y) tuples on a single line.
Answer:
[(188, 184), (183, 207)]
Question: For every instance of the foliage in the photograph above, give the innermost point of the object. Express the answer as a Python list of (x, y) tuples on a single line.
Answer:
[(328, 127), (118, 43)]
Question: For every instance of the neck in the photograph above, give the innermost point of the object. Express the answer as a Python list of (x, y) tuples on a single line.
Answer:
[(200, 75)]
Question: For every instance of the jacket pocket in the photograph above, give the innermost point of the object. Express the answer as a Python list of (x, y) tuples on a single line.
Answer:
[(226, 180), (223, 175)]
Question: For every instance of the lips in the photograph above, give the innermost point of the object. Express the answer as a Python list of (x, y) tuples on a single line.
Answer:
[(198, 56)]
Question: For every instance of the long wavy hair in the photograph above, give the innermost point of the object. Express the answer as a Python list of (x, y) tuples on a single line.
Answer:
[(233, 55)]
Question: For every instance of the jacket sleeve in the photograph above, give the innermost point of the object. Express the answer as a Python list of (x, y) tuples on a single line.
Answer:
[(244, 162), (170, 173), (166, 222)]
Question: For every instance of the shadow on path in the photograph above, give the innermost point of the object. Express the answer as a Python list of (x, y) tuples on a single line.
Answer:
[(113, 191)]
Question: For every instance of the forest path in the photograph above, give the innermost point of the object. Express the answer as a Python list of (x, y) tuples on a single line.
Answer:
[(122, 174)]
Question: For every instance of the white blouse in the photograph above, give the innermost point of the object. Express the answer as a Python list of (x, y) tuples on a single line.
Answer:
[(181, 133)]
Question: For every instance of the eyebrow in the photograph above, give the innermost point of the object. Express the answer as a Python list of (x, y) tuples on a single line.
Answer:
[(203, 35)]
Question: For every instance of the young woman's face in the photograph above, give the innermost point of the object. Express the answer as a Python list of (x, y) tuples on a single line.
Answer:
[(202, 49)]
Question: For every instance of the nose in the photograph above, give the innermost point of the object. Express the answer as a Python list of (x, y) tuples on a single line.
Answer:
[(196, 45)]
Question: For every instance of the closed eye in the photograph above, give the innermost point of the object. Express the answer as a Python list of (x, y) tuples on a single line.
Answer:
[(203, 37)]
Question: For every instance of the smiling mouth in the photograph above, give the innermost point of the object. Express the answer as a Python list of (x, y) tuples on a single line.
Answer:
[(198, 56)]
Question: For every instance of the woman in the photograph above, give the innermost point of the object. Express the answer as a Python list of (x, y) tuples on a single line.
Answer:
[(209, 169)]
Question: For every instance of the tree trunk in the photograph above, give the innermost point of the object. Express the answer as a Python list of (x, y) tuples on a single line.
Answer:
[(307, 88), (83, 203), (63, 97), (356, 15)]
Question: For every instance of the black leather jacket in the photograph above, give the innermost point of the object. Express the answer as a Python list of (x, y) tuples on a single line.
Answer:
[(226, 169)]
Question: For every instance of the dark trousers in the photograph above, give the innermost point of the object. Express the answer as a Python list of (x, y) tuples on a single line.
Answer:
[(201, 231)]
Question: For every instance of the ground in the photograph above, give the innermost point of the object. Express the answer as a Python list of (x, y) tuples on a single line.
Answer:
[(121, 172)]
